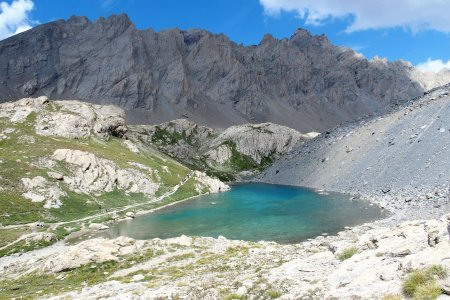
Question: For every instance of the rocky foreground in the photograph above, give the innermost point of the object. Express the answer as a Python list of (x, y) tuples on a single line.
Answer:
[(365, 262)]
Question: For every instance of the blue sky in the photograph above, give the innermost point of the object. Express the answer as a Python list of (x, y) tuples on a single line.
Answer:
[(414, 30)]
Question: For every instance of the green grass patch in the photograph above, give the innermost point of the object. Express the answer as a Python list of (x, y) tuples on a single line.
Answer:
[(266, 162), (221, 175), (10, 235), (273, 294), (181, 257), (234, 251), (428, 291), (14, 209), (185, 191), (38, 284), (437, 270), (422, 284), (239, 161), (347, 253), (164, 137), (61, 231), (76, 206), (24, 246)]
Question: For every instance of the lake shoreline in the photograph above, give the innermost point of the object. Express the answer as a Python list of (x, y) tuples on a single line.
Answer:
[(400, 208), (78, 235), (276, 205), (381, 259)]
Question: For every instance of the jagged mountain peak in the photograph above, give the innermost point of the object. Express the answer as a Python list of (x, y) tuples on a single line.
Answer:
[(267, 38), (119, 19), (77, 20), (301, 32)]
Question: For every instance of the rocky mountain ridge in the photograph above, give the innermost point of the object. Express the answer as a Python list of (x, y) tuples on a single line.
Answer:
[(302, 82)]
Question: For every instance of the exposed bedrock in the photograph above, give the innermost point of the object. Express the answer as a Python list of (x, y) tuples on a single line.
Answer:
[(303, 82)]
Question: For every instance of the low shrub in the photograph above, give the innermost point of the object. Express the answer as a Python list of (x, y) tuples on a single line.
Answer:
[(347, 253), (438, 270), (431, 290), (273, 294), (422, 284), (413, 281)]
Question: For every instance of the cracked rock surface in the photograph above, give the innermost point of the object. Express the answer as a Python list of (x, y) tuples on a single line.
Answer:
[(303, 81)]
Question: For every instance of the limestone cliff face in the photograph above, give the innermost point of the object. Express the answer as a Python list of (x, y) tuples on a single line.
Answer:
[(68, 119), (257, 141), (238, 148), (302, 82)]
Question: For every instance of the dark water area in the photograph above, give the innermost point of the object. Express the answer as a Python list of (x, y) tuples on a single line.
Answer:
[(253, 212)]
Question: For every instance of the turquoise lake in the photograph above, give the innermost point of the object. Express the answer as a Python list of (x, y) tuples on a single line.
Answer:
[(252, 212)]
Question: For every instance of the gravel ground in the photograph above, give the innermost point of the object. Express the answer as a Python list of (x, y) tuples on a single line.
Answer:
[(400, 160)]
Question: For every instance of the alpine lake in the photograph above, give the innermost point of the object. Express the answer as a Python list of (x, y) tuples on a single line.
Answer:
[(253, 212)]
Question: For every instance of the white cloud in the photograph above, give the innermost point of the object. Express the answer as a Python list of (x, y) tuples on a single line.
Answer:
[(414, 15), (433, 65), (108, 4), (14, 17)]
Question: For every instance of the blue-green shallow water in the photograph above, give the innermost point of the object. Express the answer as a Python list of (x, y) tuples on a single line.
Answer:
[(252, 212)]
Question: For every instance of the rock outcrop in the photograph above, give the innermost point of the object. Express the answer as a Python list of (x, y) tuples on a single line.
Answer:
[(383, 258), (78, 120), (181, 138), (92, 251), (303, 82), (238, 148), (70, 119), (213, 185), (38, 189), (94, 175), (19, 110), (256, 141)]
